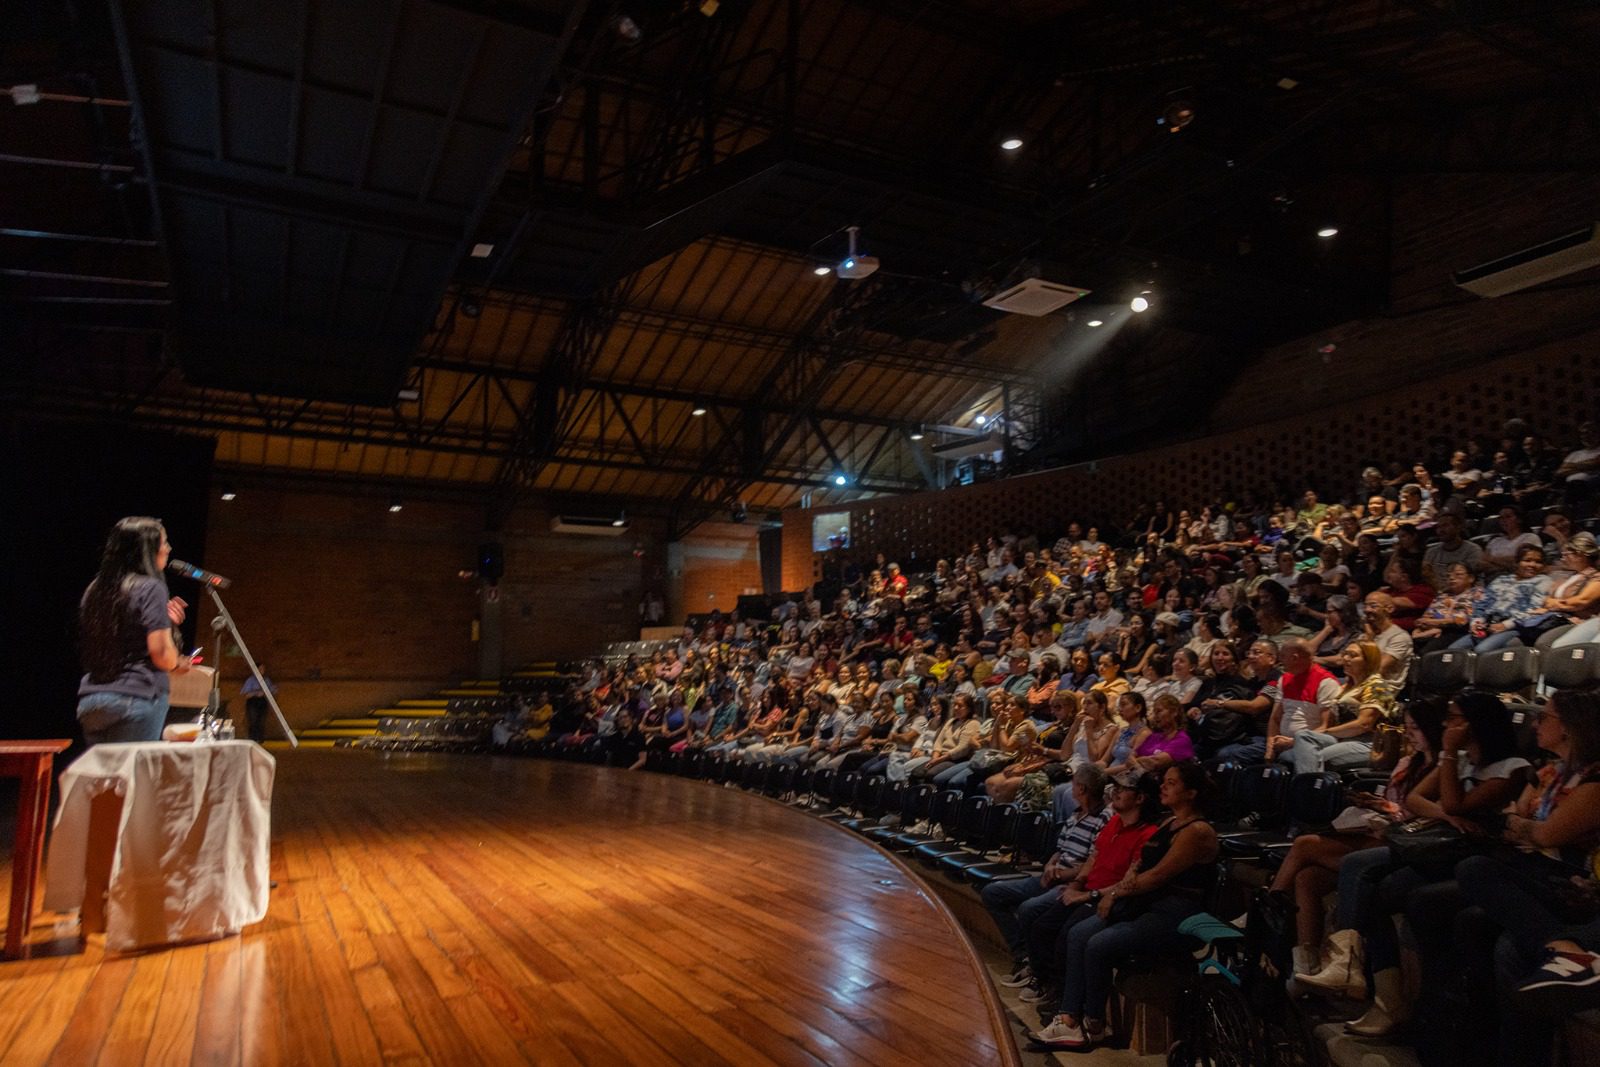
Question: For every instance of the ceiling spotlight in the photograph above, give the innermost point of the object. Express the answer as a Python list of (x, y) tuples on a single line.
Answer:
[(1096, 322), (394, 504), (1287, 83), (228, 493), (698, 411), (621, 519), (981, 419), (482, 250), (1011, 144), (627, 29), (1328, 231), (408, 395), (1139, 303), (821, 271), (917, 434), (839, 479), (1178, 113)]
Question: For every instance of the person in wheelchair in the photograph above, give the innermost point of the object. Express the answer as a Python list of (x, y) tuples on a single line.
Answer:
[(1141, 913)]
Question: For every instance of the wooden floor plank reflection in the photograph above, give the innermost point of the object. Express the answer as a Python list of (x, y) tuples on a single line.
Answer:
[(454, 910)]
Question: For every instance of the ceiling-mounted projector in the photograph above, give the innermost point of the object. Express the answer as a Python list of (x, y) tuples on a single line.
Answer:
[(853, 265)]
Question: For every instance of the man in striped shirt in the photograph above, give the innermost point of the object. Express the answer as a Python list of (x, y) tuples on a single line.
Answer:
[(1015, 903)]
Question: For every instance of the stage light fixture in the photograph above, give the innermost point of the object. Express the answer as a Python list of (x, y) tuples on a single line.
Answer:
[(917, 434), (621, 519), (228, 493), (821, 271), (1011, 144), (1179, 113), (698, 411), (1328, 231), (394, 504), (840, 480), (1140, 303), (981, 420), (854, 264), (1097, 322)]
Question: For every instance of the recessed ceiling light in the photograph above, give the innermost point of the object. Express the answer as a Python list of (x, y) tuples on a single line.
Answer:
[(1328, 231), (228, 494), (916, 435), (1096, 322), (1011, 144), (482, 250), (394, 505), (1139, 304), (820, 270), (698, 411)]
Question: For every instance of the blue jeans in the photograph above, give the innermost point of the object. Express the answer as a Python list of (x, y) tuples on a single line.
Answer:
[(1013, 904), (1313, 752), (945, 776), (1580, 634), (1372, 888), (1095, 948), (111, 717), (1251, 751)]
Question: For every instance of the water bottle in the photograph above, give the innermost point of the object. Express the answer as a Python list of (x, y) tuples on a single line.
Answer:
[(226, 731)]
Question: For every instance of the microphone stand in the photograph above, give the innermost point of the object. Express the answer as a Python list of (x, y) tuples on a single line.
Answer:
[(213, 709)]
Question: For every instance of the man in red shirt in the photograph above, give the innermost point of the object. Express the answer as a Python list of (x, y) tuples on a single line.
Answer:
[(1135, 813), (896, 584), (1306, 695)]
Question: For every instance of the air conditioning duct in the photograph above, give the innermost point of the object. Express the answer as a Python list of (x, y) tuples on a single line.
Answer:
[(1542, 263), (588, 524), (1035, 297), (981, 445)]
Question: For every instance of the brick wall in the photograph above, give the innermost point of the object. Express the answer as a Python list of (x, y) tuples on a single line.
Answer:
[(348, 605), (353, 607), (721, 561)]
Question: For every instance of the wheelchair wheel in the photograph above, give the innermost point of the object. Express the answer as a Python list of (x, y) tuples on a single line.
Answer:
[(1219, 1029)]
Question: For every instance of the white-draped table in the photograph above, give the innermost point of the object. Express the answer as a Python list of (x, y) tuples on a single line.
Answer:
[(182, 857)]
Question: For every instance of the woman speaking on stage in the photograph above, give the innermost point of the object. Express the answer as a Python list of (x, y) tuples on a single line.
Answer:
[(125, 637)]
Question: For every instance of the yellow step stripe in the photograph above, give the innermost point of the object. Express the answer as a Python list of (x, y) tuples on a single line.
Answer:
[(321, 733), (410, 713)]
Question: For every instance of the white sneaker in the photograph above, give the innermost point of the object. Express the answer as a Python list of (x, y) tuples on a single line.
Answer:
[(1061, 1034), (1020, 977)]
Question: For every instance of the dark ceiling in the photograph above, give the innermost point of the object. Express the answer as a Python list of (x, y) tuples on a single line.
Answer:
[(258, 220)]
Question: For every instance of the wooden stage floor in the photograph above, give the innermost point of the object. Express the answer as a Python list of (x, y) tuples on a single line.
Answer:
[(458, 909)]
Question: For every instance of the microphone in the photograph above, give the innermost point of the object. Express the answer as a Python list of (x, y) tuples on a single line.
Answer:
[(204, 577)]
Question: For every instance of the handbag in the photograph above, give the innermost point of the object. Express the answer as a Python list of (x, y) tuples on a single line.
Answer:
[(1388, 741), (1432, 846), (988, 761)]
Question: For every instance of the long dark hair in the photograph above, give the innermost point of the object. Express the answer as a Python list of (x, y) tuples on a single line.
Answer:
[(1193, 776), (1490, 723), (130, 554)]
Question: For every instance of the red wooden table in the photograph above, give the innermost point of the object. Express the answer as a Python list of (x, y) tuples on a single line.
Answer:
[(31, 761)]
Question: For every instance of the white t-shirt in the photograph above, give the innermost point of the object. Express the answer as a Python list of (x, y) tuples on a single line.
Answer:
[(1397, 643), (1475, 776), (1504, 549)]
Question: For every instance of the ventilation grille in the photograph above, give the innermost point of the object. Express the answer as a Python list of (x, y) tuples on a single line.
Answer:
[(1035, 297)]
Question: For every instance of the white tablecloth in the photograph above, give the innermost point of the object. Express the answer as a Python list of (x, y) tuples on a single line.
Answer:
[(191, 847)]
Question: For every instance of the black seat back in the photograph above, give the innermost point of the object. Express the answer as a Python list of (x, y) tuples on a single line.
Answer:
[(1525, 724), (946, 810), (1570, 666), (1446, 671), (972, 820), (1507, 670), (1263, 790), (1035, 836), (1315, 799)]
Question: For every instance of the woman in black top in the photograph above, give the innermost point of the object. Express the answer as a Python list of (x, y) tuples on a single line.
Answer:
[(125, 622), (1141, 913)]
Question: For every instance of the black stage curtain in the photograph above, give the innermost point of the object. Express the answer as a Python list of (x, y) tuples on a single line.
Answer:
[(62, 486)]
